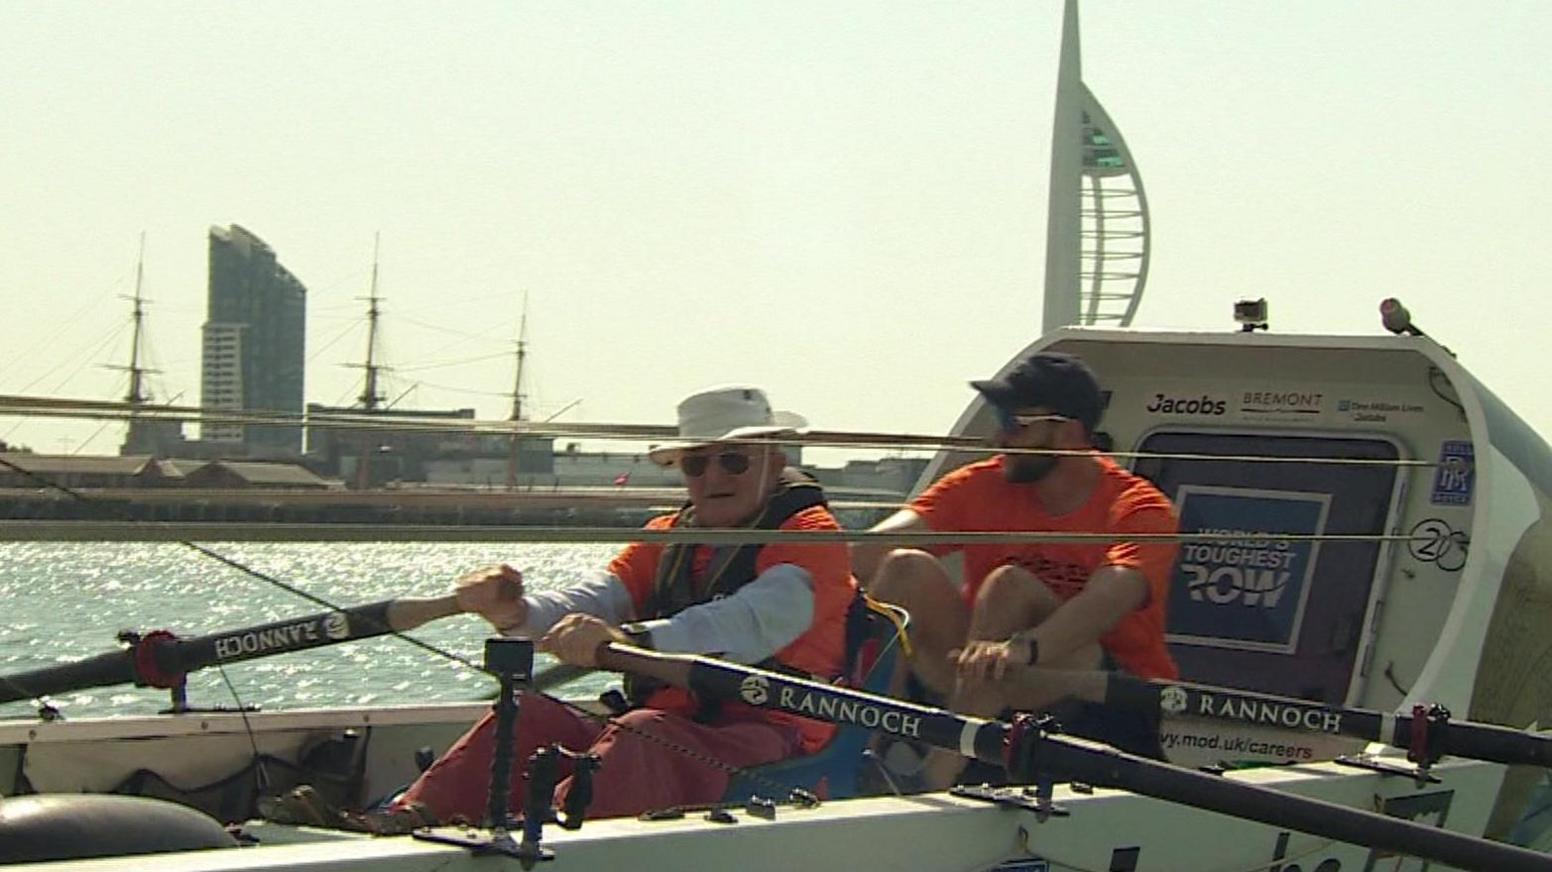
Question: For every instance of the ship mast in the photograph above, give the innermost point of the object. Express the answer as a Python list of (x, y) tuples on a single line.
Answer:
[(370, 398), (136, 394), (517, 395)]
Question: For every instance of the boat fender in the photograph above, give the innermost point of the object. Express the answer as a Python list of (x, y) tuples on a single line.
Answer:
[(75, 826)]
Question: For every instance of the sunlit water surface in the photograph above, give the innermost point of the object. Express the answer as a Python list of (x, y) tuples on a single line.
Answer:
[(61, 602)]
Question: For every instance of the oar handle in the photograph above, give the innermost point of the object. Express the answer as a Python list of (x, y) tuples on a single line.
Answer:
[(407, 613)]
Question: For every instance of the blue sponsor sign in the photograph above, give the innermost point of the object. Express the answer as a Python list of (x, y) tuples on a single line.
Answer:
[(1245, 590), (1457, 473)]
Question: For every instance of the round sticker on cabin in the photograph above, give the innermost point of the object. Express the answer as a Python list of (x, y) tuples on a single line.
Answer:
[(336, 626), (1172, 699), (755, 689)]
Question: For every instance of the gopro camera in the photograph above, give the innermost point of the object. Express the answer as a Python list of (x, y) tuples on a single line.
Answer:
[(1250, 314)]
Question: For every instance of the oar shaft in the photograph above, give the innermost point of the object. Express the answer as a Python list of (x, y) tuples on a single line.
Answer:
[(1095, 764), (1484, 742), (114, 667), (1183, 699), (300, 634), (173, 658), (1067, 759)]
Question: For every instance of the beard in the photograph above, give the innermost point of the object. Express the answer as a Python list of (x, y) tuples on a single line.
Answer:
[(1028, 468)]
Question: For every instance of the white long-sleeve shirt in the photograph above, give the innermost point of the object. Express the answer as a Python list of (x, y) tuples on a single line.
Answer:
[(747, 626)]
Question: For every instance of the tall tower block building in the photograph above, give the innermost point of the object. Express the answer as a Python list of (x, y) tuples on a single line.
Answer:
[(254, 342)]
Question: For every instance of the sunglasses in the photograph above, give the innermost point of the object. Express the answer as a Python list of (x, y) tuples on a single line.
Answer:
[(732, 463), (1012, 422)]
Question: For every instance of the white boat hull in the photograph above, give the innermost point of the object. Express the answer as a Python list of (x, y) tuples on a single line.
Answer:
[(1103, 829)]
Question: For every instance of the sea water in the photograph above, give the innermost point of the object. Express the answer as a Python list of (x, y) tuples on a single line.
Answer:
[(65, 601)]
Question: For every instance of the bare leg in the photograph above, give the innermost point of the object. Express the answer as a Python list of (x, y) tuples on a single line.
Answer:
[(1011, 599), (917, 582)]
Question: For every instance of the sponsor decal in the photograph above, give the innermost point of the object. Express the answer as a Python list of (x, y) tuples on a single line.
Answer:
[(1269, 712), (336, 626), (1456, 474), (755, 689), (1246, 592), (272, 639), (1243, 746), (1206, 404), (1281, 402), (1435, 541), (1376, 411), (1172, 699), (849, 711)]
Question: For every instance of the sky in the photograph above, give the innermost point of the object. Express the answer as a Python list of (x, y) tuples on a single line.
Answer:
[(843, 203)]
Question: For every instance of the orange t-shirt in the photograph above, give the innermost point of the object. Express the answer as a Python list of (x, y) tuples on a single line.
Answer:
[(819, 651), (977, 497)]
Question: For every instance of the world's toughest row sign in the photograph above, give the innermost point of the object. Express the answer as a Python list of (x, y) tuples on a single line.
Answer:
[(1247, 589)]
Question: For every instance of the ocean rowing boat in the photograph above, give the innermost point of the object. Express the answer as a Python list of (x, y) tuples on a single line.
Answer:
[(1363, 543)]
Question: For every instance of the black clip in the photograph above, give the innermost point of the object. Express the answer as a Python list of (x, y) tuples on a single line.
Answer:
[(580, 796), (760, 807)]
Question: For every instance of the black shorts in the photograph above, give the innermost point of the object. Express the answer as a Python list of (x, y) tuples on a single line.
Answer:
[(1126, 729)]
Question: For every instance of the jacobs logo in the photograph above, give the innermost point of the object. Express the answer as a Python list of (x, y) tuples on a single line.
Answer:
[(1203, 405)]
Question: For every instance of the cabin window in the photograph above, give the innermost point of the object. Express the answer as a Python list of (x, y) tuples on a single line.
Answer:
[(1255, 612)]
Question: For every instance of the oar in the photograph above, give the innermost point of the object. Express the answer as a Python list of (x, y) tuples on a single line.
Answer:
[(1423, 736), (557, 674), (160, 659), (1033, 754)]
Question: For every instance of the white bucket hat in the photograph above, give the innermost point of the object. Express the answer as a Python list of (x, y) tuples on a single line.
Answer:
[(722, 414)]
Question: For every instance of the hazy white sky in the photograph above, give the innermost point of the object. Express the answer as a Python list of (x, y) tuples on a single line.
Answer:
[(842, 202)]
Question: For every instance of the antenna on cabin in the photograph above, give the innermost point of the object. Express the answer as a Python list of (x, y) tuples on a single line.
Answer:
[(1397, 319)]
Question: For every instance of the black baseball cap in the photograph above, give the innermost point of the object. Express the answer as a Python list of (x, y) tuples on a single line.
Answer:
[(1050, 379)]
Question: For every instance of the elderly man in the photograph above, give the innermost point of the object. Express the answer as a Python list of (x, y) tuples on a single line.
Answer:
[(1059, 605), (782, 605)]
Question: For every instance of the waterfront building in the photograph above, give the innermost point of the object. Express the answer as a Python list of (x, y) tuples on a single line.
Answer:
[(254, 340)]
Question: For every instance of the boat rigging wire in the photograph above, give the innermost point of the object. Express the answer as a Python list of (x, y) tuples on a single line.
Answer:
[(33, 406), (261, 531)]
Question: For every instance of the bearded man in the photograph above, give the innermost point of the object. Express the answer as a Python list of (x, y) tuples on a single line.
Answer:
[(1073, 606)]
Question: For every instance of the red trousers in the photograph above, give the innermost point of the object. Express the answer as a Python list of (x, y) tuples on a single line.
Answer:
[(637, 774)]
